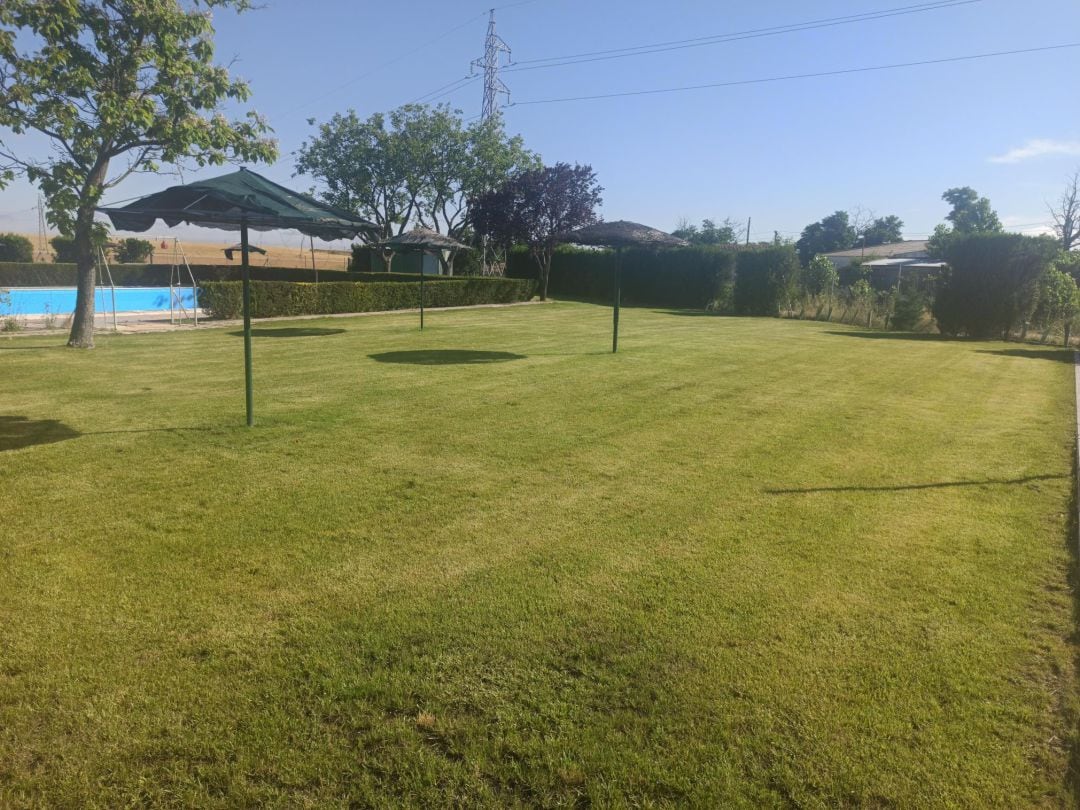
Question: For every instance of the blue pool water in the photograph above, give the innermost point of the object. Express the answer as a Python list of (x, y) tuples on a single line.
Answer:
[(61, 300)]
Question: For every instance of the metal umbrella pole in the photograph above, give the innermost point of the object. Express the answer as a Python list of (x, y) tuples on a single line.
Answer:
[(248, 387), (618, 297)]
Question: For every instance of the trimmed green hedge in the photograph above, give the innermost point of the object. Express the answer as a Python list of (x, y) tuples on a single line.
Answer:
[(16, 274), (223, 299), (766, 280), (694, 277), (399, 277)]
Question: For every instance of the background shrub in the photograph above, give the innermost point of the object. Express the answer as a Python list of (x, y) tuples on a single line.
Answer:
[(766, 280), (223, 299), (63, 249), (15, 248), (991, 282), (908, 309), (134, 251)]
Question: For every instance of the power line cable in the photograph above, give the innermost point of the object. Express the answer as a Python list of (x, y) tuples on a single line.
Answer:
[(790, 77), (459, 80), (472, 80), (722, 39), (383, 65)]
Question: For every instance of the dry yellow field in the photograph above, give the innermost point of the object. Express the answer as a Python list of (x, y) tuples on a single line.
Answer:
[(277, 255)]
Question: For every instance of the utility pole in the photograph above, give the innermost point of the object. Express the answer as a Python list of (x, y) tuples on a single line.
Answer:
[(748, 220), (42, 251), (489, 64), (493, 86)]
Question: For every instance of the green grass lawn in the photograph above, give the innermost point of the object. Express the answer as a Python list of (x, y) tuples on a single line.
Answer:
[(742, 562)]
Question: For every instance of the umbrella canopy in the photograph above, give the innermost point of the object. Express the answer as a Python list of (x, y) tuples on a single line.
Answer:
[(239, 198), (622, 234), (619, 235), (229, 251), (422, 239)]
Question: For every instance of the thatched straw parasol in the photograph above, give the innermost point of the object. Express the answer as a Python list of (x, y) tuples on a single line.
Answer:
[(618, 235), (622, 234), (422, 240)]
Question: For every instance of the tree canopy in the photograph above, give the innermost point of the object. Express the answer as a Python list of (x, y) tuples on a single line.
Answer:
[(536, 206), (832, 233), (1066, 213), (884, 231), (969, 214), (114, 81), (709, 233), (417, 165)]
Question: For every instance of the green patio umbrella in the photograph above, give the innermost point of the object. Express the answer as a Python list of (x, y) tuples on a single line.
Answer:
[(241, 200), (422, 240), (618, 235)]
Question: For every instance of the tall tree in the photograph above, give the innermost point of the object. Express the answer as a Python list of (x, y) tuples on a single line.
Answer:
[(832, 233), (534, 207), (114, 81), (884, 231), (710, 233), (1066, 213), (419, 165), (969, 214)]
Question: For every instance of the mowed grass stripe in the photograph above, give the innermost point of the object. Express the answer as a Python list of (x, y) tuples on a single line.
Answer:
[(742, 562)]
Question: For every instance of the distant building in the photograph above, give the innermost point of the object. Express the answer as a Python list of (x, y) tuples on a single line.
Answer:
[(888, 264), (910, 249)]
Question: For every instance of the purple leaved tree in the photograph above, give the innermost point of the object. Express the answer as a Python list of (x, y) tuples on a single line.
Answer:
[(535, 207)]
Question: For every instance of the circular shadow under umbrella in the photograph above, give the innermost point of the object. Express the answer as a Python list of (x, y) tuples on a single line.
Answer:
[(445, 357)]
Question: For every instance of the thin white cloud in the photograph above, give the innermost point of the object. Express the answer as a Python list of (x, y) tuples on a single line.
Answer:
[(1036, 148), (1027, 224)]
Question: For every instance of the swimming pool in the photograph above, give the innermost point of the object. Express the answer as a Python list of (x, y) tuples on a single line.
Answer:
[(61, 300)]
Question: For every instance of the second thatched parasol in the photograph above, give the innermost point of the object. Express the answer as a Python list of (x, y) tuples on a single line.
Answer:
[(618, 235), (422, 240)]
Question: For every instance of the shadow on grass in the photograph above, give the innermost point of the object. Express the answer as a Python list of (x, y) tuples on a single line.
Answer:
[(289, 332), (868, 335), (689, 313), (445, 357), (17, 432), (1060, 355), (935, 485), (29, 348)]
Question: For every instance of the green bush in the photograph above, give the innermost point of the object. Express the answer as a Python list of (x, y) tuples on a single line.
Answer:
[(991, 282), (15, 248), (223, 299), (908, 310), (134, 251), (399, 277), (766, 280), (63, 249), (695, 277)]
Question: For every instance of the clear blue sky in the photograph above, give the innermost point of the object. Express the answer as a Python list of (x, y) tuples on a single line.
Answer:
[(785, 153)]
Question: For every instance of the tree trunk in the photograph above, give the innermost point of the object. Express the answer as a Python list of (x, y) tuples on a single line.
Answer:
[(82, 325)]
